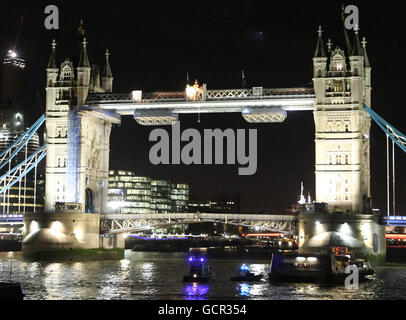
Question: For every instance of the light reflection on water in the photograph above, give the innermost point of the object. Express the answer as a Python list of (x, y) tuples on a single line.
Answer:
[(143, 275), (195, 291)]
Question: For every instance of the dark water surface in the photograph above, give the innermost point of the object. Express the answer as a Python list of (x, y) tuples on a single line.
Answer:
[(158, 275)]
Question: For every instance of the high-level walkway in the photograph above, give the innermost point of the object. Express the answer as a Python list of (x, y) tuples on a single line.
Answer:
[(125, 223)]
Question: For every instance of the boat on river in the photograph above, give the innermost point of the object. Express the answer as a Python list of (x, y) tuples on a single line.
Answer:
[(316, 267), (200, 271)]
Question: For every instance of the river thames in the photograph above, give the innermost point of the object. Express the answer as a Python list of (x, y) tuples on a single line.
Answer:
[(158, 275)]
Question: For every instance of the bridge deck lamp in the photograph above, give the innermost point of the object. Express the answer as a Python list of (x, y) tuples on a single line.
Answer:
[(194, 92)]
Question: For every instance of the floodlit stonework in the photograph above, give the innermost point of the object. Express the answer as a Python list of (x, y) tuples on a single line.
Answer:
[(77, 137), (342, 86)]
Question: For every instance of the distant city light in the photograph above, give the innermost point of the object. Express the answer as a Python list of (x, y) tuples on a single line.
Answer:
[(396, 236), (115, 204), (13, 59), (275, 234), (12, 54)]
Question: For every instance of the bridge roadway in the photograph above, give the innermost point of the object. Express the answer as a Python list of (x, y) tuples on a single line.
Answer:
[(228, 100), (126, 223)]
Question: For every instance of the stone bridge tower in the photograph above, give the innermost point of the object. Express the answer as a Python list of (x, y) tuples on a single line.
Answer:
[(342, 86), (77, 136)]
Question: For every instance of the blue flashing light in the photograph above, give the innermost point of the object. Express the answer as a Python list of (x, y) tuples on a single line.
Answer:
[(244, 267), (195, 259)]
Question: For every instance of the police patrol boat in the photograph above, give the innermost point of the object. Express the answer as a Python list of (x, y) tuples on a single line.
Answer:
[(199, 271)]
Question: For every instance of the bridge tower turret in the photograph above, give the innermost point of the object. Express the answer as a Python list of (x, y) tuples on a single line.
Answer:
[(77, 161), (107, 76), (83, 75), (52, 68), (342, 128)]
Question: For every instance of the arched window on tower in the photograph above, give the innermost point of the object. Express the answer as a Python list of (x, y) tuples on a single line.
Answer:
[(66, 71), (337, 61)]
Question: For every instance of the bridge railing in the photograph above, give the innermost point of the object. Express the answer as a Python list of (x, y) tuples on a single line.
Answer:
[(150, 97)]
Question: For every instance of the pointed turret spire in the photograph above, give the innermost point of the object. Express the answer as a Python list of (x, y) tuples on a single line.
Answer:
[(357, 50), (107, 69), (52, 59), (364, 47), (84, 60), (320, 52)]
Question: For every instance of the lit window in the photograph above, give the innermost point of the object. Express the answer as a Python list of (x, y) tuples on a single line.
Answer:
[(338, 66)]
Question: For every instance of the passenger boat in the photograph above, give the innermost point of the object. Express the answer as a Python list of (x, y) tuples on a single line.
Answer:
[(316, 267), (245, 275), (11, 291), (199, 271)]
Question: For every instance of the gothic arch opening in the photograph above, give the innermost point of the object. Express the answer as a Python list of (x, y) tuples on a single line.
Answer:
[(89, 203)]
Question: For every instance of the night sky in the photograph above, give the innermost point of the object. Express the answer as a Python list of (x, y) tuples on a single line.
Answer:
[(153, 45)]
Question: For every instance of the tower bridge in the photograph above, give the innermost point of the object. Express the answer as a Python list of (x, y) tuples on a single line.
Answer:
[(81, 108)]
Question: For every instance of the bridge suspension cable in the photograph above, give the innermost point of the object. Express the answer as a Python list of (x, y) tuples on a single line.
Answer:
[(8, 154), (18, 173), (13, 176), (397, 138)]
